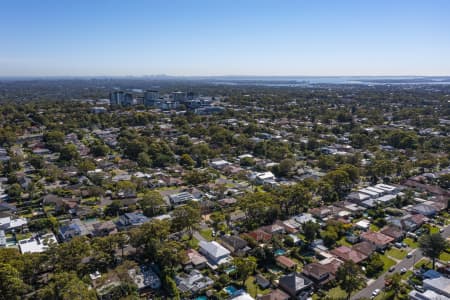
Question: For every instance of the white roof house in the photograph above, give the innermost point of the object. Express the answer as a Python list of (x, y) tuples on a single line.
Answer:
[(363, 224), (8, 223), (37, 244), (439, 285), (219, 164), (214, 251)]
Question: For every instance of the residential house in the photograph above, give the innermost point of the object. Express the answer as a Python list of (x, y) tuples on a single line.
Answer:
[(262, 281), (286, 263), (144, 277), (318, 273), (37, 244), (104, 228), (366, 248), (273, 229), (260, 235), (131, 220), (275, 295), (235, 244), (180, 198), (73, 229), (440, 285), (296, 285), (214, 252), (348, 254), (195, 259), (193, 282), (379, 240), (407, 222), (394, 232), (10, 223)]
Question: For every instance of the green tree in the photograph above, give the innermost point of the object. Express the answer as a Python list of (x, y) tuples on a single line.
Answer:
[(374, 265), (68, 153), (186, 217), (245, 266), (11, 285), (67, 286), (310, 230), (186, 160), (432, 246), (114, 208), (349, 277), (152, 203), (144, 160)]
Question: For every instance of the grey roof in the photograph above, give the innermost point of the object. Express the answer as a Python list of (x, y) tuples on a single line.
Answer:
[(214, 249)]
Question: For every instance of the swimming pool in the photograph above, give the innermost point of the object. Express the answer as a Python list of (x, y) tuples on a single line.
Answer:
[(230, 289), (279, 252), (201, 298)]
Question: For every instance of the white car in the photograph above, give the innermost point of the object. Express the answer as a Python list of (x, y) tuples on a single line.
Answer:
[(403, 271), (375, 292)]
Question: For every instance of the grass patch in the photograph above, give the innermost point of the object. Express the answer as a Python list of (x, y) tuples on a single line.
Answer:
[(207, 234), (411, 243), (253, 288), (424, 262), (193, 242), (434, 229), (397, 253), (337, 293), (387, 262), (445, 256), (407, 275)]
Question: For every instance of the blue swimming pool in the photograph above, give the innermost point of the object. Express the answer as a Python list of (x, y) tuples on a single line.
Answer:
[(279, 252), (201, 298), (230, 289)]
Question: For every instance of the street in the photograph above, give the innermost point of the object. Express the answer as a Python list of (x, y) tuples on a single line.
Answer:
[(406, 263)]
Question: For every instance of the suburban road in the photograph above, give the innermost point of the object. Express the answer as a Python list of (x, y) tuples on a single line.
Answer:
[(406, 263)]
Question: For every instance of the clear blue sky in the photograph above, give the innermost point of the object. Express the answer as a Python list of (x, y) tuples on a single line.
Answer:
[(224, 37)]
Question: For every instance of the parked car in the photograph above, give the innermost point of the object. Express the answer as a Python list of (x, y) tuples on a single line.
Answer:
[(419, 288), (391, 269), (403, 270), (375, 292), (409, 255)]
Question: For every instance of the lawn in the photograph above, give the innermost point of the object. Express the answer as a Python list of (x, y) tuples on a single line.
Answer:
[(445, 256), (387, 262), (434, 229), (423, 262), (253, 289), (407, 274), (411, 243), (397, 253), (207, 234), (336, 293)]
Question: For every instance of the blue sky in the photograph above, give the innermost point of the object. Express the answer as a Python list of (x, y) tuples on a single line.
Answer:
[(224, 37)]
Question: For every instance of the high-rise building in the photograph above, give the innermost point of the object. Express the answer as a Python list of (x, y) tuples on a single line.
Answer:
[(116, 97), (150, 97), (128, 99), (179, 96), (120, 98)]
